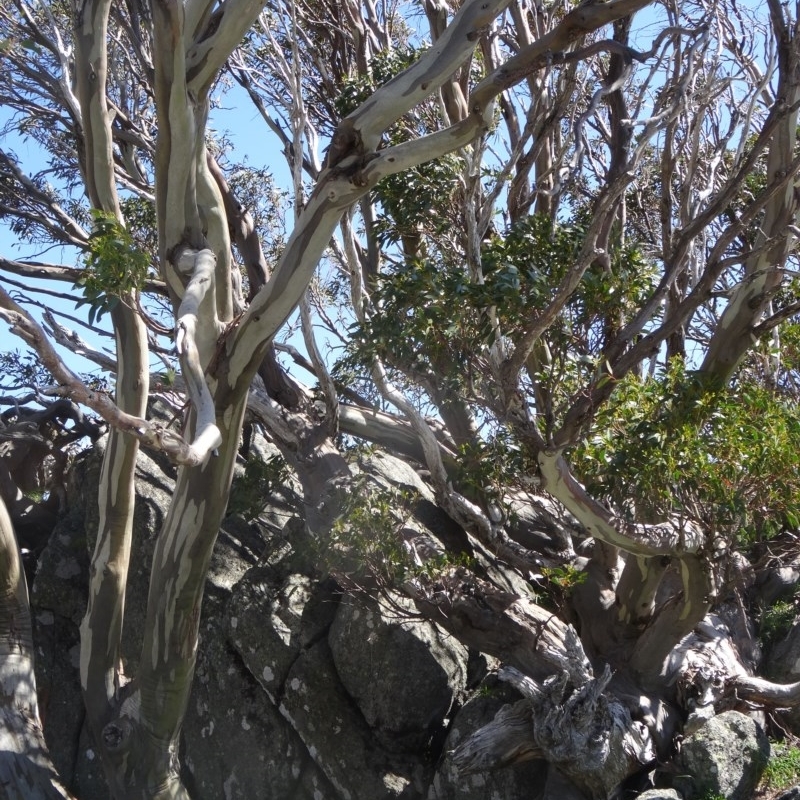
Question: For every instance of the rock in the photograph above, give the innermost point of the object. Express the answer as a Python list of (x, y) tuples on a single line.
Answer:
[(790, 794), (660, 794), (271, 619), (726, 756), (539, 525), (299, 693), (88, 778), (235, 743), (58, 602), (60, 585), (338, 738), (777, 583), (403, 673), (392, 472), (559, 787), (57, 643)]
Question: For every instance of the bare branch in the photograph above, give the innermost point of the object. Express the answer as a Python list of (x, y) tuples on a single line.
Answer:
[(148, 433)]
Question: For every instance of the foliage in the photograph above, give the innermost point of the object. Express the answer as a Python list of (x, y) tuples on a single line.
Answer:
[(260, 479), (113, 266), (417, 201), (371, 539), (383, 66), (256, 190), (487, 468), (776, 620), (783, 767), (565, 578), (672, 446), (366, 536), (524, 269), (22, 370), (436, 311), (557, 585), (140, 223)]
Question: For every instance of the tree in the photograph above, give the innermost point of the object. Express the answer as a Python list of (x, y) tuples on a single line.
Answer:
[(561, 242)]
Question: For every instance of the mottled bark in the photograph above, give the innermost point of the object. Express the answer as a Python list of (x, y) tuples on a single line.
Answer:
[(676, 619), (668, 538), (101, 630), (26, 772)]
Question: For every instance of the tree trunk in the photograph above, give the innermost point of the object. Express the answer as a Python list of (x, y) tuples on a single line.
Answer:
[(26, 771)]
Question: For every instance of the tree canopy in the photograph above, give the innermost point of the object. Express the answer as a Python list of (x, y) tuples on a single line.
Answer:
[(546, 252)]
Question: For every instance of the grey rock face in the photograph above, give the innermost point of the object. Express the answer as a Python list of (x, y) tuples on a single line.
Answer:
[(726, 756), (235, 743), (403, 673), (337, 737), (303, 693), (272, 618)]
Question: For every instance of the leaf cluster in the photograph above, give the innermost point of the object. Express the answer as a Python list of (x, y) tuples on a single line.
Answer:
[(672, 445), (114, 266), (487, 467), (22, 370), (557, 584), (365, 539), (251, 490), (776, 620), (383, 67), (367, 542), (436, 317), (417, 202)]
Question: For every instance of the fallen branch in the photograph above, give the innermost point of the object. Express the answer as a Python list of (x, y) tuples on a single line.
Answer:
[(587, 735)]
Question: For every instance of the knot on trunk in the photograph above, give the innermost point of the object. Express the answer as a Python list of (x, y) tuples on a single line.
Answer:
[(117, 735)]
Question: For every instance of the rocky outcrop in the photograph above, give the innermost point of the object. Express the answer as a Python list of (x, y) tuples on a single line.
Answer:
[(305, 691), (300, 693), (783, 665)]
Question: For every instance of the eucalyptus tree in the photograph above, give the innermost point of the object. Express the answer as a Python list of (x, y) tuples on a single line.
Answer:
[(560, 237)]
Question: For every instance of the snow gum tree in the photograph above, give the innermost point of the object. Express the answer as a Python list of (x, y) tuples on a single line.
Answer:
[(552, 248)]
